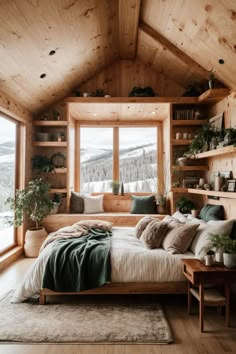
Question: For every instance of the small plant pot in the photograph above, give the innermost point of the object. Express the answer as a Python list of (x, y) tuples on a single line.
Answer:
[(229, 260), (219, 257), (209, 260), (194, 213), (33, 241), (115, 190)]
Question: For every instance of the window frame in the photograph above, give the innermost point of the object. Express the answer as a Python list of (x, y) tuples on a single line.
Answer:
[(116, 166)]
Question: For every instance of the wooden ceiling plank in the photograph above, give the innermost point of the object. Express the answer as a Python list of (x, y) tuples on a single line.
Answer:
[(192, 65), (128, 27)]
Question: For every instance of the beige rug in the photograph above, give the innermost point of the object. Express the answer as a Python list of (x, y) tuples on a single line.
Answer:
[(82, 323)]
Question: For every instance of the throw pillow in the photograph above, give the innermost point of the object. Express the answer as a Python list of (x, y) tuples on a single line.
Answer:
[(142, 224), (153, 234), (96, 224), (172, 222), (179, 216), (201, 242), (179, 238), (93, 204), (212, 212), (143, 204), (76, 203)]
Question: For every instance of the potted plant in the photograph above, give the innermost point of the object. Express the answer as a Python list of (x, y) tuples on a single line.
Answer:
[(184, 205), (218, 242), (229, 255), (42, 163), (56, 203), (161, 203), (115, 187), (209, 257), (56, 115), (35, 202)]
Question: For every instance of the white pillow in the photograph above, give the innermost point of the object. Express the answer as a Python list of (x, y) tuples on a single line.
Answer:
[(179, 216), (201, 242), (93, 204)]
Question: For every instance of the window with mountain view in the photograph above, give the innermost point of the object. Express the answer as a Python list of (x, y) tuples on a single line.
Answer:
[(7, 181), (138, 159), (96, 146)]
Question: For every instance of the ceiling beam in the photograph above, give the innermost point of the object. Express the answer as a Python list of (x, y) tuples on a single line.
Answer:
[(193, 66), (128, 27)]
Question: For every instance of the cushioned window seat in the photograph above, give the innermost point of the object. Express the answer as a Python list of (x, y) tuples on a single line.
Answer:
[(55, 221)]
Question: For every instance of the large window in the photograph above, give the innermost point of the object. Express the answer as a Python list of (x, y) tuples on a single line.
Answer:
[(138, 159), (96, 159), (7, 181), (133, 161)]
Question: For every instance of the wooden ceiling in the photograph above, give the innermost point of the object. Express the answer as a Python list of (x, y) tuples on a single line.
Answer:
[(183, 40)]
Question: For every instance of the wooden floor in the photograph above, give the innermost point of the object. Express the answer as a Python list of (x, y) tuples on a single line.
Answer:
[(187, 338)]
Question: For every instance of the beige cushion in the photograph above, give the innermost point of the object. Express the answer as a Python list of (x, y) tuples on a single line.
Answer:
[(153, 234), (179, 216), (179, 238), (93, 204), (142, 224), (96, 224)]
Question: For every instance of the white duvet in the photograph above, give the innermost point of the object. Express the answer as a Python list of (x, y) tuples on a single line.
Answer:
[(130, 262)]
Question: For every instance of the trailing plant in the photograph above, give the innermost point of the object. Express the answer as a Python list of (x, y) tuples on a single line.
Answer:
[(33, 200), (42, 163), (184, 205)]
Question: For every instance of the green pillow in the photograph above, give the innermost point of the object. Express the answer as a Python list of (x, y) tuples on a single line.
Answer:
[(76, 203), (143, 205), (212, 212)]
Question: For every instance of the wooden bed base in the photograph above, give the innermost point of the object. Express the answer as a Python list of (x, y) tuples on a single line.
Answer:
[(124, 289)]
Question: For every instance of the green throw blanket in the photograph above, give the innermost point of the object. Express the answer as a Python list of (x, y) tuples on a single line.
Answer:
[(79, 263)]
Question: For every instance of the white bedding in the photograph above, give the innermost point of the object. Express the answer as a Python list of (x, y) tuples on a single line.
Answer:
[(130, 262)]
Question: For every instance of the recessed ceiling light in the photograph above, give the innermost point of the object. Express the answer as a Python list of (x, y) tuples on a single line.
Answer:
[(153, 112), (52, 52), (42, 76), (221, 61), (94, 114)]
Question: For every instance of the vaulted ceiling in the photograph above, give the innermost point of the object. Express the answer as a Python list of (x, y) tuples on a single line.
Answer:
[(50, 47)]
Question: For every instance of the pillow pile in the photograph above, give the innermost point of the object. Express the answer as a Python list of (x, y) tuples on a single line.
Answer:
[(143, 204), (153, 234), (85, 203)]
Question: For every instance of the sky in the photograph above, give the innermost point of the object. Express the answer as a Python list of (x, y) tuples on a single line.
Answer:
[(7, 131), (103, 137)]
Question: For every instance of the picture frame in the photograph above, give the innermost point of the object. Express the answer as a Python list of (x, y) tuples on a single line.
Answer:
[(217, 121), (231, 185)]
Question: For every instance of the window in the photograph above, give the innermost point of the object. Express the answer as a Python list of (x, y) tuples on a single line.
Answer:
[(138, 159), (7, 181), (133, 161), (96, 146)]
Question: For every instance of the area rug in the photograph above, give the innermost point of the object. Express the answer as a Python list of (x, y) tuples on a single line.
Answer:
[(82, 323)]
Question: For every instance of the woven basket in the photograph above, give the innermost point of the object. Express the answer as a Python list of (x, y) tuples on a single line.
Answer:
[(33, 241)]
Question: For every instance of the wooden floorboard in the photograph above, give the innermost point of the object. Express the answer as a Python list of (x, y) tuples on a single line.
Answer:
[(187, 338)]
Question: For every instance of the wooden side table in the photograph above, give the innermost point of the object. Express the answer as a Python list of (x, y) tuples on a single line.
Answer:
[(198, 275)]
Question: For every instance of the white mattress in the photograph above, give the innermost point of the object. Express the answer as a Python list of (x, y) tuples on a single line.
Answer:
[(132, 262)]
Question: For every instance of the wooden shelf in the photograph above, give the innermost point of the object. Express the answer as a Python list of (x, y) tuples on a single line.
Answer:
[(230, 195), (59, 170), (179, 190), (189, 122), (221, 151), (50, 123), (190, 168), (58, 190), (50, 143), (180, 141), (213, 95)]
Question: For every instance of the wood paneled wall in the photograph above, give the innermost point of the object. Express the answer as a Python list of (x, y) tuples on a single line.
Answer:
[(119, 79)]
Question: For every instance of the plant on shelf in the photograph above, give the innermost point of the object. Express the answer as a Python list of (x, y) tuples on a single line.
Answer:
[(230, 136), (56, 115), (184, 205), (229, 255), (142, 92), (35, 202), (202, 140), (115, 185), (218, 242), (41, 163)]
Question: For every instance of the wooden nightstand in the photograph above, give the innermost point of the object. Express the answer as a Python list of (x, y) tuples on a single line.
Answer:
[(198, 274)]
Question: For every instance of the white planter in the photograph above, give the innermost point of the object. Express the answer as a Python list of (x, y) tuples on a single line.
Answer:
[(219, 256), (33, 241), (229, 260)]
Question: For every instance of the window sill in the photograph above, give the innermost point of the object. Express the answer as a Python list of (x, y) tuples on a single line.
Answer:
[(10, 256)]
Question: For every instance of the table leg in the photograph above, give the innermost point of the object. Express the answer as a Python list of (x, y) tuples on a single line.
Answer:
[(189, 299), (201, 307), (227, 305)]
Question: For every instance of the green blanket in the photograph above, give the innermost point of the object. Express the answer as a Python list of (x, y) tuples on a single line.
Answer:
[(79, 263)]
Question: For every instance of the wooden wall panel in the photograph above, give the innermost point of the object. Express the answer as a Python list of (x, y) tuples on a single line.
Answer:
[(119, 79)]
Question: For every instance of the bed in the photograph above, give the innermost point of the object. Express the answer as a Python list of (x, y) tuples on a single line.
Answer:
[(134, 269)]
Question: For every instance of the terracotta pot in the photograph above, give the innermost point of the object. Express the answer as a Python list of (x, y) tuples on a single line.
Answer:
[(161, 209), (33, 241)]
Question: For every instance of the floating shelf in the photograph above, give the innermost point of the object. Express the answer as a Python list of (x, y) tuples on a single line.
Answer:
[(179, 190), (189, 122), (230, 195), (58, 190), (213, 95), (59, 170), (190, 168), (180, 141), (50, 143), (221, 151), (50, 123)]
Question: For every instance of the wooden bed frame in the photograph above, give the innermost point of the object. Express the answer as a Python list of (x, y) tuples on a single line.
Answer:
[(124, 289)]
